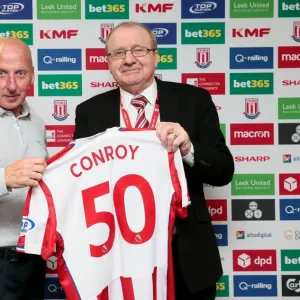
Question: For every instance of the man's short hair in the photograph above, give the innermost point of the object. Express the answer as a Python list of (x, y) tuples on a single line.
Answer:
[(133, 24)]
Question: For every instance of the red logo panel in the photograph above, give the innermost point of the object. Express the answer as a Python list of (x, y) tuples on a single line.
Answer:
[(254, 260), (289, 57), (59, 135), (252, 134), (213, 82), (96, 59), (289, 184), (217, 209), (30, 92)]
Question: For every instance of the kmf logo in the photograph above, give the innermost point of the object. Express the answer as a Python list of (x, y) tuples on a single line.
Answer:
[(53, 34), (246, 32), (150, 7)]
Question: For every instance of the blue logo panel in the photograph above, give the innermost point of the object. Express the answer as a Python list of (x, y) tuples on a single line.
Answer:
[(53, 289), (221, 233), (251, 58), (255, 286), (16, 10), (201, 9), (59, 60), (290, 209), (165, 33)]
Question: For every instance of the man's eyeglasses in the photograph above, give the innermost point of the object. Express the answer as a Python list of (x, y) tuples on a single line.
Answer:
[(136, 52)]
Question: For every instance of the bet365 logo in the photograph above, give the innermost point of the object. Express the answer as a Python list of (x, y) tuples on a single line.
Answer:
[(107, 9), (203, 33), (20, 31), (222, 287), (251, 83), (167, 59), (60, 85)]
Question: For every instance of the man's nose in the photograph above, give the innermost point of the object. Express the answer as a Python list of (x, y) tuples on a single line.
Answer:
[(11, 83), (129, 58)]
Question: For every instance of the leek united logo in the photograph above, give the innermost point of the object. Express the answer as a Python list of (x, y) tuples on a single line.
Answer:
[(253, 209), (253, 184)]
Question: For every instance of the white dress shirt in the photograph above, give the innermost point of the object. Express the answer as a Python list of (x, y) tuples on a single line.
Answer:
[(150, 93)]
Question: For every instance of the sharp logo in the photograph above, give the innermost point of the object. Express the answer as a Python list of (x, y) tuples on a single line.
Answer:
[(291, 82), (246, 32), (251, 158), (150, 7), (11, 8), (103, 84), (55, 34), (203, 7)]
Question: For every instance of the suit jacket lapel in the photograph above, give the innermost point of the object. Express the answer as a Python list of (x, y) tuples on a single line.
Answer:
[(111, 114), (168, 102)]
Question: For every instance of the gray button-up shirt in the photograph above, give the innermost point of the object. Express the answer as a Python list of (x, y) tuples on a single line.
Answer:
[(20, 137)]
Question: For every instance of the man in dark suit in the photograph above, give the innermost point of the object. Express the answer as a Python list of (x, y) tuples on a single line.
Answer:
[(187, 120)]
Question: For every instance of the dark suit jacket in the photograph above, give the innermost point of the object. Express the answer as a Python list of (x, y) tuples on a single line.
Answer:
[(194, 110)]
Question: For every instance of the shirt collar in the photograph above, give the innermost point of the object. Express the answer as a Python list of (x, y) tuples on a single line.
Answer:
[(150, 93), (25, 110)]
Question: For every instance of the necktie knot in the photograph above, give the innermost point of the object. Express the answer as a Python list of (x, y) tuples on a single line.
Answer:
[(139, 102)]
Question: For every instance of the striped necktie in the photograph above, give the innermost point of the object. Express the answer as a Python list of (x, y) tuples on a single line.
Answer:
[(139, 102)]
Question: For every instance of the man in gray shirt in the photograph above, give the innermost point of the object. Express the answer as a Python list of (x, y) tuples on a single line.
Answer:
[(22, 163)]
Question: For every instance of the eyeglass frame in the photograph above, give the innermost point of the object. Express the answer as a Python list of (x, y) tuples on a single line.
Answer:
[(125, 51)]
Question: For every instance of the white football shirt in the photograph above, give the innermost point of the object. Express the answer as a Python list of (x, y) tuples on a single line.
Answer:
[(107, 205)]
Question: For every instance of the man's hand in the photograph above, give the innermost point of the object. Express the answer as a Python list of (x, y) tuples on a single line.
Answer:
[(173, 136), (25, 172)]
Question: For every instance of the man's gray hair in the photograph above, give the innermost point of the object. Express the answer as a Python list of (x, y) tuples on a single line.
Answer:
[(132, 24)]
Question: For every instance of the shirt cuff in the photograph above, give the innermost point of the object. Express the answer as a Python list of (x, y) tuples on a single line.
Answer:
[(3, 188), (189, 158)]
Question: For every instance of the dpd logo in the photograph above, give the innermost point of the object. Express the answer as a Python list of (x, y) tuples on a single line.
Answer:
[(254, 260)]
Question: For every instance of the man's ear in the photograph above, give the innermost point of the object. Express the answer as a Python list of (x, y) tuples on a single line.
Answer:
[(32, 76), (156, 58)]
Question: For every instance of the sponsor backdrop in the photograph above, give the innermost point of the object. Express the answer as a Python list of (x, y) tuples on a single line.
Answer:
[(247, 55)]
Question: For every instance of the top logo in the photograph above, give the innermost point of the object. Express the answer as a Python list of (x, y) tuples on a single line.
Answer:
[(251, 9), (16, 10), (201, 9), (165, 33), (61, 10), (289, 9)]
